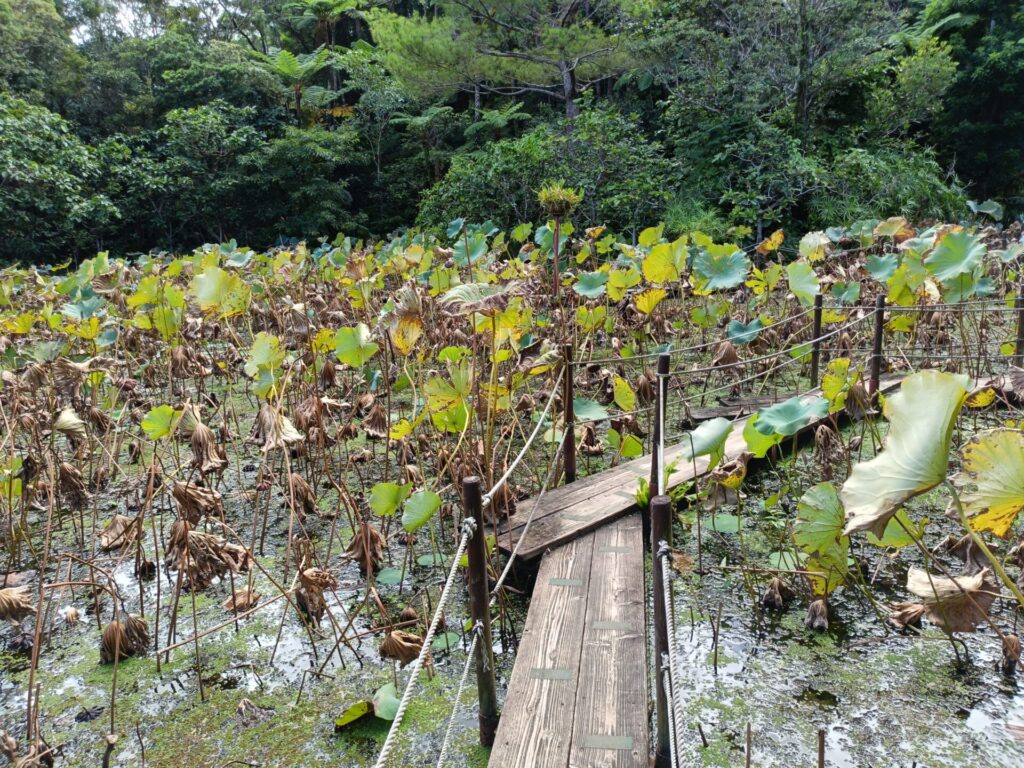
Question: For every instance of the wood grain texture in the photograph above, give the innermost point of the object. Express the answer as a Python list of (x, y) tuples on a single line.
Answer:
[(536, 721), (610, 728)]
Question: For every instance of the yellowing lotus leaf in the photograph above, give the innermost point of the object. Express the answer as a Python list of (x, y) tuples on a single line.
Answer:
[(914, 459), (992, 477)]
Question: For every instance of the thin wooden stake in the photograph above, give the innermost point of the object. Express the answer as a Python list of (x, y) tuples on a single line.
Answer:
[(821, 748)]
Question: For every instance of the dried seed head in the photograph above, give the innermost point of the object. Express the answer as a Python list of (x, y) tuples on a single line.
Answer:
[(817, 615)]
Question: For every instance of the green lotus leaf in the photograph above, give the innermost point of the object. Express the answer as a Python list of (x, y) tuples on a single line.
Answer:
[(591, 284), (708, 439), (819, 521), (739, 333), (915, 456), (803, 282), (957, 254), (790, 416), (721, 266)]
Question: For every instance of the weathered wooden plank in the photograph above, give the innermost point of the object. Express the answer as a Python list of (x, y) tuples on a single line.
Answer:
[(535, 728), (610, 728)]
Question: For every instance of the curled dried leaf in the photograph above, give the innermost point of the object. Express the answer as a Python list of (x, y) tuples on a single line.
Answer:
[(776, 595), (403, 647), (120, 531), (207, 456), (367, 548), (16, 604), (194, 502), (817, 615), (954, 605), (121, 639), (242, 600), (907, 615)]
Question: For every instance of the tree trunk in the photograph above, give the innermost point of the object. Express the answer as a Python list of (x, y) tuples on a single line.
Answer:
[(569, 90), (803, 72)]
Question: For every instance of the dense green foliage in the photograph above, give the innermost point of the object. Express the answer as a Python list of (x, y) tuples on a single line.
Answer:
[(130, 125)]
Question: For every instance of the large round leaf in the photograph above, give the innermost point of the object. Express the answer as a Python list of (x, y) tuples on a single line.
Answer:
[(916, 453), (993, 474), (739, 333), (386, 498), (790, 416), (353, 346), (819, 519), (957, 254), (591, 284), (803, 281), (420, 507), (721, 266)]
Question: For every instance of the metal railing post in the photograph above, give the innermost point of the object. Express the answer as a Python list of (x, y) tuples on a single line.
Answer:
[(658, 434), (480, 610), (876, 348), (661, 531), (569, 439), (1018, 348), (816, 345)]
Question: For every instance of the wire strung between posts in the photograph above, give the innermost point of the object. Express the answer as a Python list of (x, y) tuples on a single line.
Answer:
[(443, 757), (487, 498), (771, 355), (666, 583), (692, 348), (468, 527)]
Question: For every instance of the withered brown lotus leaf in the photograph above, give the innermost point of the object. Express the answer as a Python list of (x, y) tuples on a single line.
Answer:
[(207, 456), (954, 605), (408, 614), (726, 357), (776, 595), (204, 556), (275, 430), (375, 424), (817, 615), (99, 419), (590, 445), (15, 604), (120, 531), (195, 501), (121, 639), (301, 497), (69, 423), (249, 714), (403, 647), (318, 578), (367, 548), (1011, 655), (72, 485), (363, 403), (242, 600), (525, 404), (907, 615), (71, 616)]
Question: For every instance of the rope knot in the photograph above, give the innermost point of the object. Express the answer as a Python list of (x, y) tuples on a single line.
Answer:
[(664, 550), (468, 526)]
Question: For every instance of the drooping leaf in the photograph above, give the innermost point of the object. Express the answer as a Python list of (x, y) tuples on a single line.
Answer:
[(357, 711), (989, 207), (914, 459), (992, 479), (898, 533), (955, 605), (624, 395), (649, 299), (708, 439), (757, 442)]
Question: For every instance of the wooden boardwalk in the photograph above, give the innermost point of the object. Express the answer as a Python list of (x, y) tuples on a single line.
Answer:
[(578, 696)]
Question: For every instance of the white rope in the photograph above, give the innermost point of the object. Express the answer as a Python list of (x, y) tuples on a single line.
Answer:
[(468, 527), (443, 757), (666, 584), (529, 519), (515, 462), (667, 683)]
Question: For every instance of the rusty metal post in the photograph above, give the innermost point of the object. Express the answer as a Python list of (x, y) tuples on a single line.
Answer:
[(816, 344), (480, 610), (876, 349), (658, 434), (661, 532), (569, 439), (1018, 348)]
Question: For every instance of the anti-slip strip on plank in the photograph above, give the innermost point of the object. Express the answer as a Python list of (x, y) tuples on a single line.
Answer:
[(594, 741), (616, 625), (610, 548), (541, 673)]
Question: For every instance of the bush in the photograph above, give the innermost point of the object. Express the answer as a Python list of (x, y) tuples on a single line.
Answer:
[(889, 180), (625, 179)]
